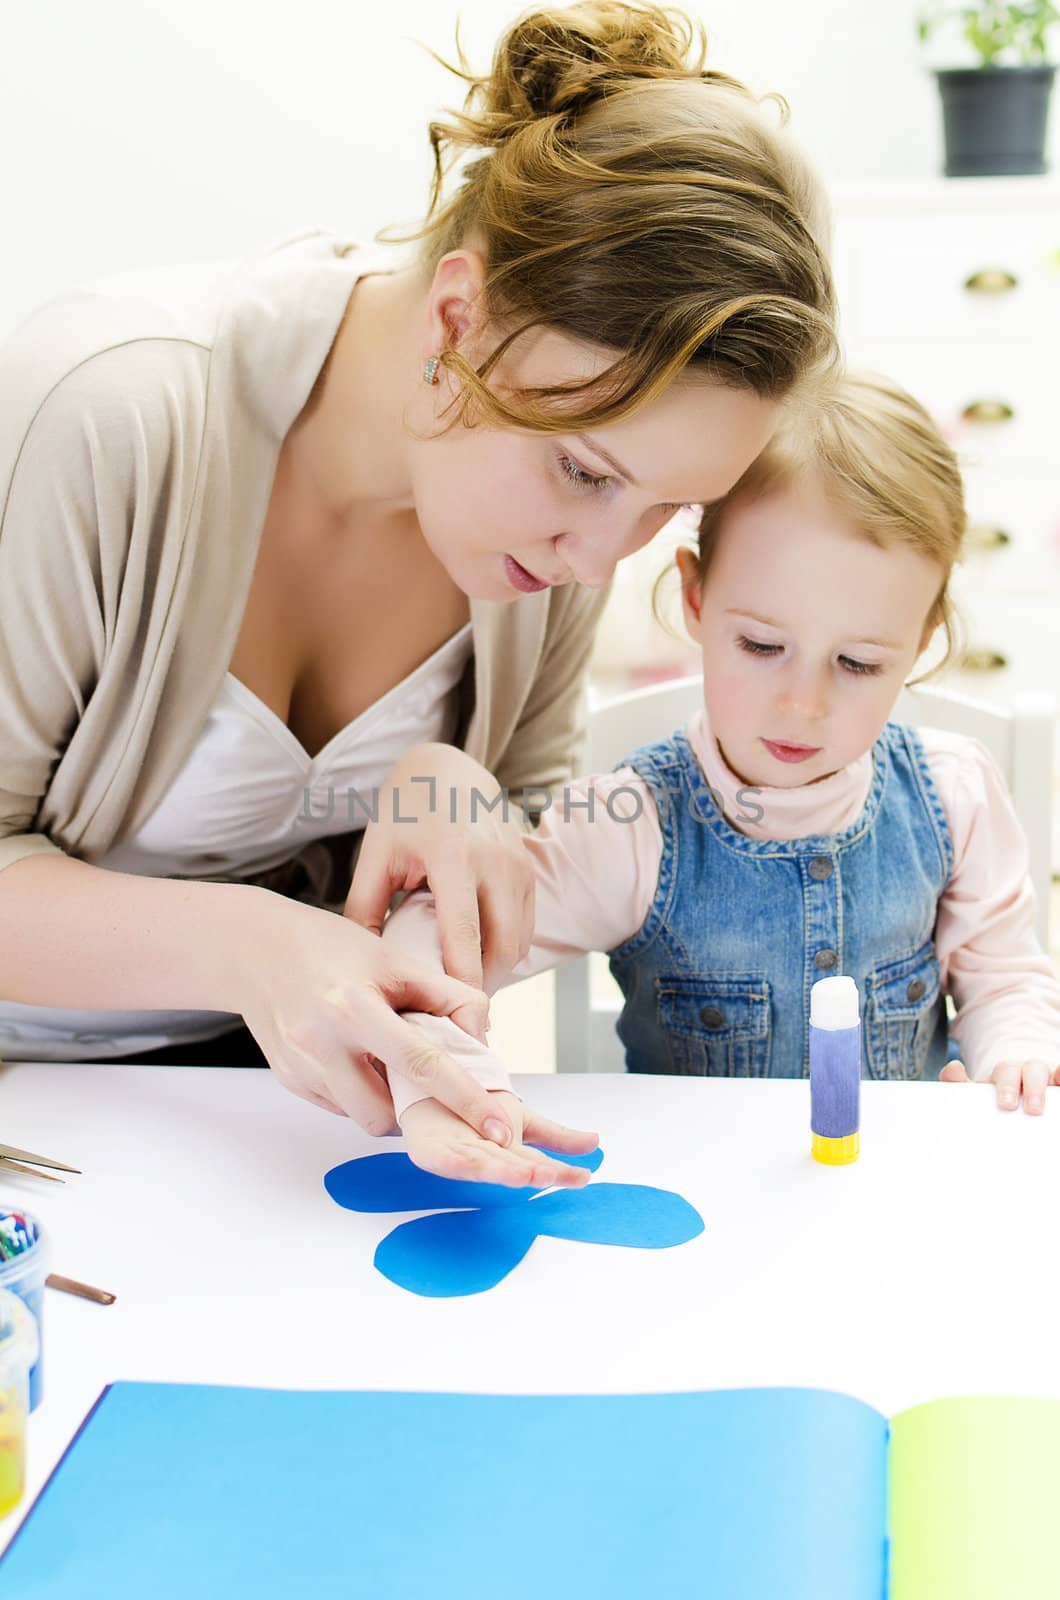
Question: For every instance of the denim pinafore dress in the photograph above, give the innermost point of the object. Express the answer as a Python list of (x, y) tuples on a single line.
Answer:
[(717, 980)]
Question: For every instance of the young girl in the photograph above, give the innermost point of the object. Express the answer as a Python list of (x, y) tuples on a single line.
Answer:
[(792, 831), (266, 525)]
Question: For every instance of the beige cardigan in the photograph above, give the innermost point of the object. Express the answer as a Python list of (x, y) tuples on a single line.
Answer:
[(140, 424)]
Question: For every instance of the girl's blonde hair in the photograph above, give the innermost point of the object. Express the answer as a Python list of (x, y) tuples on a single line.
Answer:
[(628, 198), (879, 456)]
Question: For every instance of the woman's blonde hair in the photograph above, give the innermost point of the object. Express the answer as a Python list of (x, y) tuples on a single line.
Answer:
[(628, 198), (879, 456)]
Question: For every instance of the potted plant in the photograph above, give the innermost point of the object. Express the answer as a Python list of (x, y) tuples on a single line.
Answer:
[(994, 115)]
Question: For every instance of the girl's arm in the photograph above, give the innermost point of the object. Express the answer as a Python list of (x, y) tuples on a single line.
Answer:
[(595, 856), (1003, 984)]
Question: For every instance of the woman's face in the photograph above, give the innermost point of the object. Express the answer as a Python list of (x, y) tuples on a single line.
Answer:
[(507, 511)]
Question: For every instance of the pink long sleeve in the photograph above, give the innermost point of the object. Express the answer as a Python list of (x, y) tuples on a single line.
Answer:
[(1003, 984), (596, 857)]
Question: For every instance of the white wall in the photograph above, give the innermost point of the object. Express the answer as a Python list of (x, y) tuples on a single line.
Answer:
[(135, 131)]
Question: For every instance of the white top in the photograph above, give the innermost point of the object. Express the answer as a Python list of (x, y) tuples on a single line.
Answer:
[(248, 798)]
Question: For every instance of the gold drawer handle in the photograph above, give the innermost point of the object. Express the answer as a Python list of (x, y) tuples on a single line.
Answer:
[(983, 661), (991, 411), (991, 280), (986, 536)]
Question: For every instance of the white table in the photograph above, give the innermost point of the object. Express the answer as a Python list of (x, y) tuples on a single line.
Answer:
[(926, 1269)]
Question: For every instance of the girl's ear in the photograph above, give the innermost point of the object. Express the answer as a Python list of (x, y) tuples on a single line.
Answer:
[(691, 591), (934, 620)]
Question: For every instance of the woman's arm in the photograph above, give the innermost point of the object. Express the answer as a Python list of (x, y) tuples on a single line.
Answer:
[(99, 458), (444, 821), (320, 995)]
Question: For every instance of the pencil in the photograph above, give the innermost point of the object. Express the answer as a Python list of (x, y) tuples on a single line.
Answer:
[(85, 1291)]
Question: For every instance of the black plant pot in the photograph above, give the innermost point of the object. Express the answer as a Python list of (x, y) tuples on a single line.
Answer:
[(994, 119)]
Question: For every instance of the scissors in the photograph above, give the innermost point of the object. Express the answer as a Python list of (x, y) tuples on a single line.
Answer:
[(12, 1159)]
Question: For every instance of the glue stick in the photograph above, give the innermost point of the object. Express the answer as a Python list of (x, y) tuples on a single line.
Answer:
[(835, 1070)]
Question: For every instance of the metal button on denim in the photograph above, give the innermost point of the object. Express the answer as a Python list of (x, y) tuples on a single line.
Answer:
[(712, 1016), (825, 959), (821, 867), (915, 990)]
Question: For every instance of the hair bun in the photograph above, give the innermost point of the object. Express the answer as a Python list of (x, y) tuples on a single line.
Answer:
[(556, 62), (623, 195)]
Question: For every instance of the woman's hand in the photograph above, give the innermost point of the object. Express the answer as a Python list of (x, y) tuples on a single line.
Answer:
[(434, 828), (320, 996), (1010, 1077), (441, 1143)]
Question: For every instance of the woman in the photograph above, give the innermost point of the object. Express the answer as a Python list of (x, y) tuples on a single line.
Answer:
[(266, 526)]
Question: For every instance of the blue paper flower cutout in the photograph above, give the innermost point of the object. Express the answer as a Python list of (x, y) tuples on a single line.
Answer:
[(480, 1231)]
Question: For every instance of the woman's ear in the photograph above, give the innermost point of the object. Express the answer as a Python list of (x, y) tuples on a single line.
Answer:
[(691, 591), (452, 311)]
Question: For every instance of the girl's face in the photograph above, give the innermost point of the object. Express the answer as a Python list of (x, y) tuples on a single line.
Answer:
[(508, 512), (808, 633)]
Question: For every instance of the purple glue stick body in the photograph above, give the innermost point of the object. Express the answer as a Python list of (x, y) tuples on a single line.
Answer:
[(835, 1071)]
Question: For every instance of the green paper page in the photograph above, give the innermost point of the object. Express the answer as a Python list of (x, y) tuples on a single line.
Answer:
[(974, 1500)]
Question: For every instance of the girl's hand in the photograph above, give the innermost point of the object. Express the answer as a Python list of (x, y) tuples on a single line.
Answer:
[(1033, 1077), (441, 1143), (321, 997), (434, 829)]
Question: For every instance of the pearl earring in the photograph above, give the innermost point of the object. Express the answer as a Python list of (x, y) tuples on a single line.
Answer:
[(430, 369)]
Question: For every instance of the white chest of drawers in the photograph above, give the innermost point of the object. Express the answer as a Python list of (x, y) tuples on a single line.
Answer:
[(953, 288)]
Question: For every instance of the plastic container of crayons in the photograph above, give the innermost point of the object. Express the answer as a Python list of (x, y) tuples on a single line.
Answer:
[(18, 1352), (23, 1269)]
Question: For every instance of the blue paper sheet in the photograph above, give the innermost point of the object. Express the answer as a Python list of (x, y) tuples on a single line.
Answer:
[(172, 1492)]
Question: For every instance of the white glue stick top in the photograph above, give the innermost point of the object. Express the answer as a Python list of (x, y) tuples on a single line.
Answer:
[(834, 1004)]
